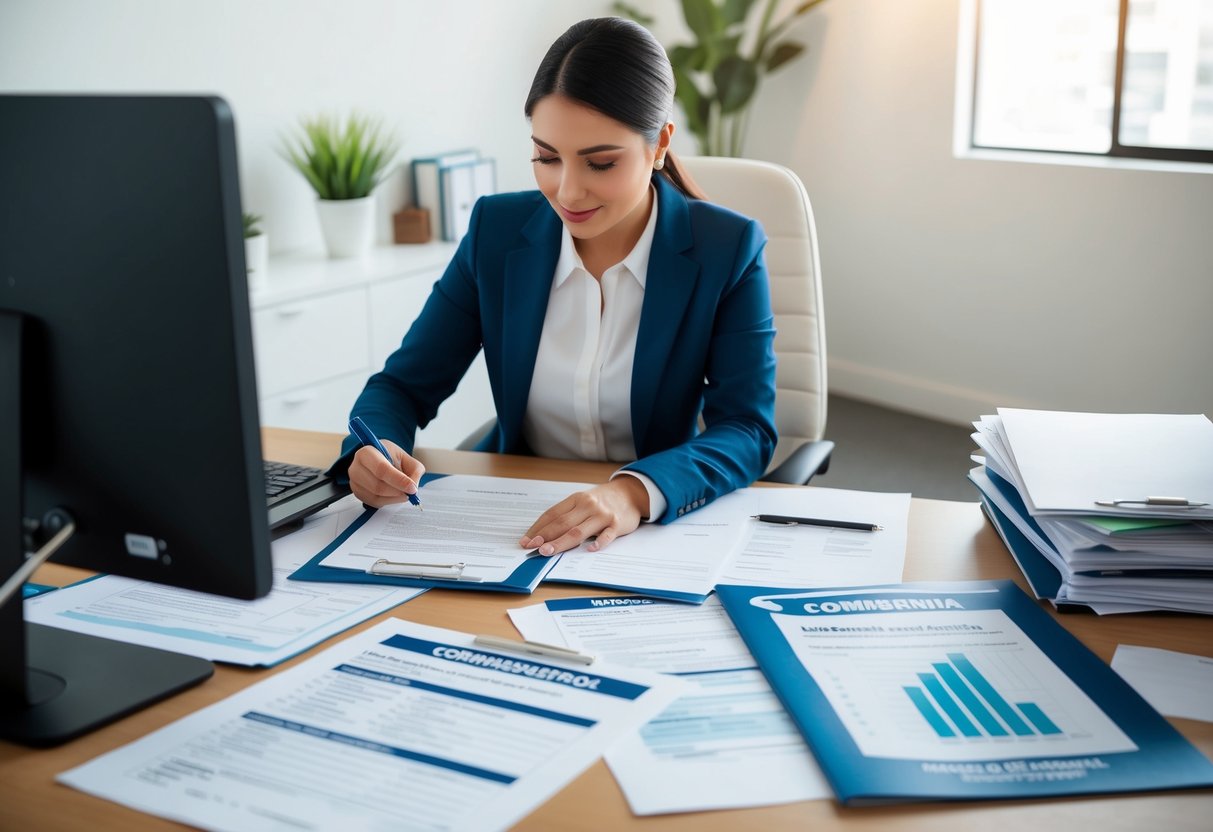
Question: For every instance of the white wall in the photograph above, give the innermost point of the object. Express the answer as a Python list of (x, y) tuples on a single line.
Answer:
[(952, 285), (955, 285), (445, 75)]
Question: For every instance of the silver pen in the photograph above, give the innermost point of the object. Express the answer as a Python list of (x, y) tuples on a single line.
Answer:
[(534, 648)]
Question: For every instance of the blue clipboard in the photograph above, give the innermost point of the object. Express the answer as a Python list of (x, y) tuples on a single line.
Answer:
[(522, 580)]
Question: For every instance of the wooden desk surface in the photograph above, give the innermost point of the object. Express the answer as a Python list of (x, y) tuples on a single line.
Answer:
[(946, 541)]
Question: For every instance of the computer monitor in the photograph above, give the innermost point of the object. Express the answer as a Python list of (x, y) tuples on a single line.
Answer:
[(127, 390)]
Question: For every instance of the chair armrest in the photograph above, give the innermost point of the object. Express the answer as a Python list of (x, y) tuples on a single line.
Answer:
[(470, 441), (809, 459)]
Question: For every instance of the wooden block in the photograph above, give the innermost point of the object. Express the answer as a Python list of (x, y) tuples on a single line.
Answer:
[(411, 225)]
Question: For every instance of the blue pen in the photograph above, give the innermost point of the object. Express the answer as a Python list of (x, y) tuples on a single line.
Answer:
[(367, 437)]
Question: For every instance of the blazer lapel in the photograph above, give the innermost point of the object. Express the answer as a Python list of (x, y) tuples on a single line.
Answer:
[(668, 288), (528, 282)]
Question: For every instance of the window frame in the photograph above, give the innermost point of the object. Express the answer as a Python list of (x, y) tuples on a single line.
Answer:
[(1117, 149)]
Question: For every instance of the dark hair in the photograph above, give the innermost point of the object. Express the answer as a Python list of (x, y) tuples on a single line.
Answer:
[(618, 68)]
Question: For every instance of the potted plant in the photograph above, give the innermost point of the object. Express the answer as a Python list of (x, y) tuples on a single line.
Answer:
[(256, 251), (715, 77), (343, 162)]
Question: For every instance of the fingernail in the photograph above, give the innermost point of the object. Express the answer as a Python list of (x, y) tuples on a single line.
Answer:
[(525, 542), (547, 549)]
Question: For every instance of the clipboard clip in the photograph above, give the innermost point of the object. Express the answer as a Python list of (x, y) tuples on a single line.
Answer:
[(425, 571), (1159, 502)]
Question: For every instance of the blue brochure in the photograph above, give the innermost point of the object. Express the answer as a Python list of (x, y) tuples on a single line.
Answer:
[(954, 691)]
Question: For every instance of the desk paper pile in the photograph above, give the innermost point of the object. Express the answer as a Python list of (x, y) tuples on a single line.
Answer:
[(1046, 484)]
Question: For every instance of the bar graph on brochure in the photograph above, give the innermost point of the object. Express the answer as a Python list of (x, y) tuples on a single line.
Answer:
[(955, 696)]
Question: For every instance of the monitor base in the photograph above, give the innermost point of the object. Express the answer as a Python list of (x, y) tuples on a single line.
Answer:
[(78, 683)]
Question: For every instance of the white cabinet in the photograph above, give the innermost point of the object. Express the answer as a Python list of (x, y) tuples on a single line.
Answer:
[(301, 342), (321, 327)]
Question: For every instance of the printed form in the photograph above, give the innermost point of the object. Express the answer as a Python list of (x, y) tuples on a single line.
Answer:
[(290, 619), (683, 558), (400, 727), (726, 743), (473, 520)]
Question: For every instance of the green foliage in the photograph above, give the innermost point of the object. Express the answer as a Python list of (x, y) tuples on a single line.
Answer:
[(250, 225), (716, 75), (341, 161)]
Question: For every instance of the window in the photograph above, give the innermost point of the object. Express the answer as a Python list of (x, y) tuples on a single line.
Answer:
[(1130, 78)]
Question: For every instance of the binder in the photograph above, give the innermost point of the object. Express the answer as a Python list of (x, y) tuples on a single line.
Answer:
[(461, 185), (426, 180)]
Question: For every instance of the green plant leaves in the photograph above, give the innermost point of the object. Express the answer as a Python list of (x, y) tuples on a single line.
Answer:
[(736, 78), (735, 11), (782, 53), (704, 19), (251, 221), (341, 161), (715, 83)]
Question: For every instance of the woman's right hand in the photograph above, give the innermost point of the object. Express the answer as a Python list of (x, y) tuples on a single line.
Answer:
[(377, 482)]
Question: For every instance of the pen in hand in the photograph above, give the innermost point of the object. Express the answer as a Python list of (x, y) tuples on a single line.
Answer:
[(367, 437), (784, 520)]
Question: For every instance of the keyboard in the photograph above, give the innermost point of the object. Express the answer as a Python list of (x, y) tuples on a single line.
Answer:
[(294, 491), (283, 480)]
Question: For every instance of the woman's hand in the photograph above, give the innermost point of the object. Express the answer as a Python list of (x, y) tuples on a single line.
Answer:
[(378, 482), (609, 511)]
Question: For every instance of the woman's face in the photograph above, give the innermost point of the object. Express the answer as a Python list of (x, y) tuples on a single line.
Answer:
[(593, 170)]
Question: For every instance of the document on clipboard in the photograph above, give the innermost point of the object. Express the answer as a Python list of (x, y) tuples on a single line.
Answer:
[(466, 538), (1119, 464)]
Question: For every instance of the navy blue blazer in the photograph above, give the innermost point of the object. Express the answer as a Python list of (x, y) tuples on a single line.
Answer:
[(705, 343)]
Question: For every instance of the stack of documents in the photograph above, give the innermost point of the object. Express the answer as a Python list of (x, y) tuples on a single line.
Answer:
[(1108, 510)]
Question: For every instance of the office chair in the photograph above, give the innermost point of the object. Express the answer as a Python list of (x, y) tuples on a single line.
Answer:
[(774, 196)]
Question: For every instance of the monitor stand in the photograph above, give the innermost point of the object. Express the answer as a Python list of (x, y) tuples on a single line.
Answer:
[(55, 684), (75, 683)]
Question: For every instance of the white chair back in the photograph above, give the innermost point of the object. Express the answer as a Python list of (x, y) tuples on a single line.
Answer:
[(775, 197)]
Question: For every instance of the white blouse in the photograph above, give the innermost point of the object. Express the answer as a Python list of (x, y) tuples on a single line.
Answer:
[(580, 404)]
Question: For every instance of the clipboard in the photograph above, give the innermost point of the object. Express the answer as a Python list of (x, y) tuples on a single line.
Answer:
[(522, 580)]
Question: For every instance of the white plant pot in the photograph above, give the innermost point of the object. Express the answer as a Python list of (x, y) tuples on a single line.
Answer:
[(348, 225), (256, 260)]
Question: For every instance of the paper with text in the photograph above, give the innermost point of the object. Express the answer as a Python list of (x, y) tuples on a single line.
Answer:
[(681, 559), (773, 555), (400, 727), (291, 618), (473, 520), (726, 743)]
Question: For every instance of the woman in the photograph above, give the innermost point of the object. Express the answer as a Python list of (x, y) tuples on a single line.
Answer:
[(614, 308)]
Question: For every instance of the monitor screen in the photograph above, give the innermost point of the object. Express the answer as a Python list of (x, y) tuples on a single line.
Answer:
[(128, 359)]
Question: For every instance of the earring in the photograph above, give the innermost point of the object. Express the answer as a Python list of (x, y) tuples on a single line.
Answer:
[(659, 163)]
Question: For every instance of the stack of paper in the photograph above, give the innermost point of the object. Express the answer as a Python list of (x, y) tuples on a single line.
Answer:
[(1108, 510)]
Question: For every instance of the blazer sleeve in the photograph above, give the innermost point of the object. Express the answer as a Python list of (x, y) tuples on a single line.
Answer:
[(739, 436), (430, 362)]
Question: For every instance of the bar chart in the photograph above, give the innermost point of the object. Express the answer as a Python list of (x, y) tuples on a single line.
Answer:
[(957, 699), (950, 686)]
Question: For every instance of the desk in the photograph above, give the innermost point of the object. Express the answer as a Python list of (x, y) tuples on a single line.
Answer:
[(946, 541)]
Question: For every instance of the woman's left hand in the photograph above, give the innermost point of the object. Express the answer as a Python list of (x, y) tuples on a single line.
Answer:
[(610, 510)]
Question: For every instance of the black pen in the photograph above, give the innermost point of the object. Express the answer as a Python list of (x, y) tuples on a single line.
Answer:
[(783, 520)]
